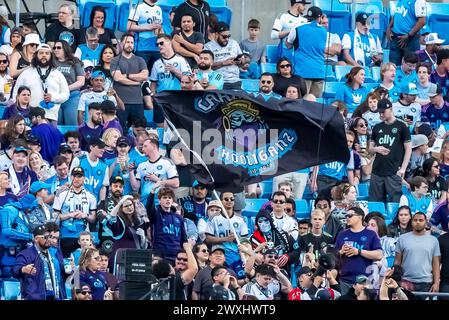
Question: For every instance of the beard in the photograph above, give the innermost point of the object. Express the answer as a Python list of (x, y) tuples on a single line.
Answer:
[(96, 121), (203, 66), (117, 194), (42, 64)]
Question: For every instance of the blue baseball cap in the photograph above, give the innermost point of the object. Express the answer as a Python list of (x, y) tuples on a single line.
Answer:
[(36, 186), (410, 88), (98, 73), (21, 149)]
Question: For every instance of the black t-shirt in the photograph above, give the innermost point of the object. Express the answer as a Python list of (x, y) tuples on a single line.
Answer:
[(391, 136), (105, 38), (200, 14), (196, 37), (443, 240), (281, 84), (318, 242), (56, 31), (437, 186)]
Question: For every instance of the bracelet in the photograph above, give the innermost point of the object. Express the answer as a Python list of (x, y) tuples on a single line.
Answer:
[(360, 252)]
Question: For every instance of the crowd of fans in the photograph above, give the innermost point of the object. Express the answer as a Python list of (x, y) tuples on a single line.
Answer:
[(70, 201)]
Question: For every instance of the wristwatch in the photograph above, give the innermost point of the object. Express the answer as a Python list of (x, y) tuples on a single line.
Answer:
[(360, 252)]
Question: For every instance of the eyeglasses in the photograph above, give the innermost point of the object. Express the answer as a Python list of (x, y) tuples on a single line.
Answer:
[(283, 66), (361, 125), (228, 199), (181, 259), (86, 292), (225, 36), (160, 43), (4, 61), (57, 47), (265, 81), (205, 251), (322, 206), (278, 201), (349, 215)]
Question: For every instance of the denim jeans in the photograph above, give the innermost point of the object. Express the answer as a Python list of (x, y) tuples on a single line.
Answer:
[(69, 110), (396, 52)]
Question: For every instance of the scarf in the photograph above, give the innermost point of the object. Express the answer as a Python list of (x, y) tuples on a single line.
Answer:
[(359, 54), (17, 189)]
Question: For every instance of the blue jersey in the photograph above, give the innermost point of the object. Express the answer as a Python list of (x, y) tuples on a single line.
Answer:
[(437, 116), (145, 14), (94, 175), (407, 14), (418, 205), (393, 92), (165, 79), (309, 41), (352, 98), (403, 80), (335, 170), (213, 77), (55, 182), (83, 52)]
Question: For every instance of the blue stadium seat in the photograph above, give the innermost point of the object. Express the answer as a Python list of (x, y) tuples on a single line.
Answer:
[(250, 85), (341, 71), (268, 67), (392, 208), (302, 209), (339, 15), (65, 129), (438, 19), (386, 56), (331, 89), (218, 3), (272, 53), (363, 191), (85, 7), (222, 13), (377, 206), (267, 188), (330, 75), (253, 206), (122, 13), (149, 115), (378, 16), (371, 86), (2, 110), (375, 72), (10, 290)]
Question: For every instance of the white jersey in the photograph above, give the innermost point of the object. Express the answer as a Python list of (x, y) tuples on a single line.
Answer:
[(5, 161), (230, 73), (83, 201), (254, 289), (373, 118), (287, 224), (286, 22), (165, 79), (332, 38), (145, 14), (219, 226), (413, 110)]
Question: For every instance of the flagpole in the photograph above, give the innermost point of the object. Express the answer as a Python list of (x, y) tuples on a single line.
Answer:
[(197, 156)]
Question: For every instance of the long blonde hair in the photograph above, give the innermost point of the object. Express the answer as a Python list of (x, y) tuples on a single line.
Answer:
[(85, 257), (107, 136), (443, 148)]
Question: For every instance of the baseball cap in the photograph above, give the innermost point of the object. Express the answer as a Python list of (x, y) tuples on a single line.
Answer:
[(122, 141), (87, 64), (77, 171), (314, 13), (425, 129), (217, 247), (116, 179), (36, 186), (434, 91), (361, 17), (33, 140), (21, 149), (292, 2), (44, 46), (323, 294), (214, 203), (270, 251), (64, 148), (244, 240), (39, 230), (419, 140), (196, 183), (383, 105), (361, 279), (97, 73), (410, 88), (95, 141), (222, 26), (432, 38)]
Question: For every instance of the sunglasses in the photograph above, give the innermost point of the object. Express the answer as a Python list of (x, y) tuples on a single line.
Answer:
[(225, 37), (205, 251), (86, 292), (283, 66), (228, 199), (4, 61), (57, 47), (361, 125), (181, 259), (349, 215), (278, 201), (265, 81), (160, 43), (33, 45)]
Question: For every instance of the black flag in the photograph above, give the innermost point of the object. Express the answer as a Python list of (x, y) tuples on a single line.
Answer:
[(244, 139)]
